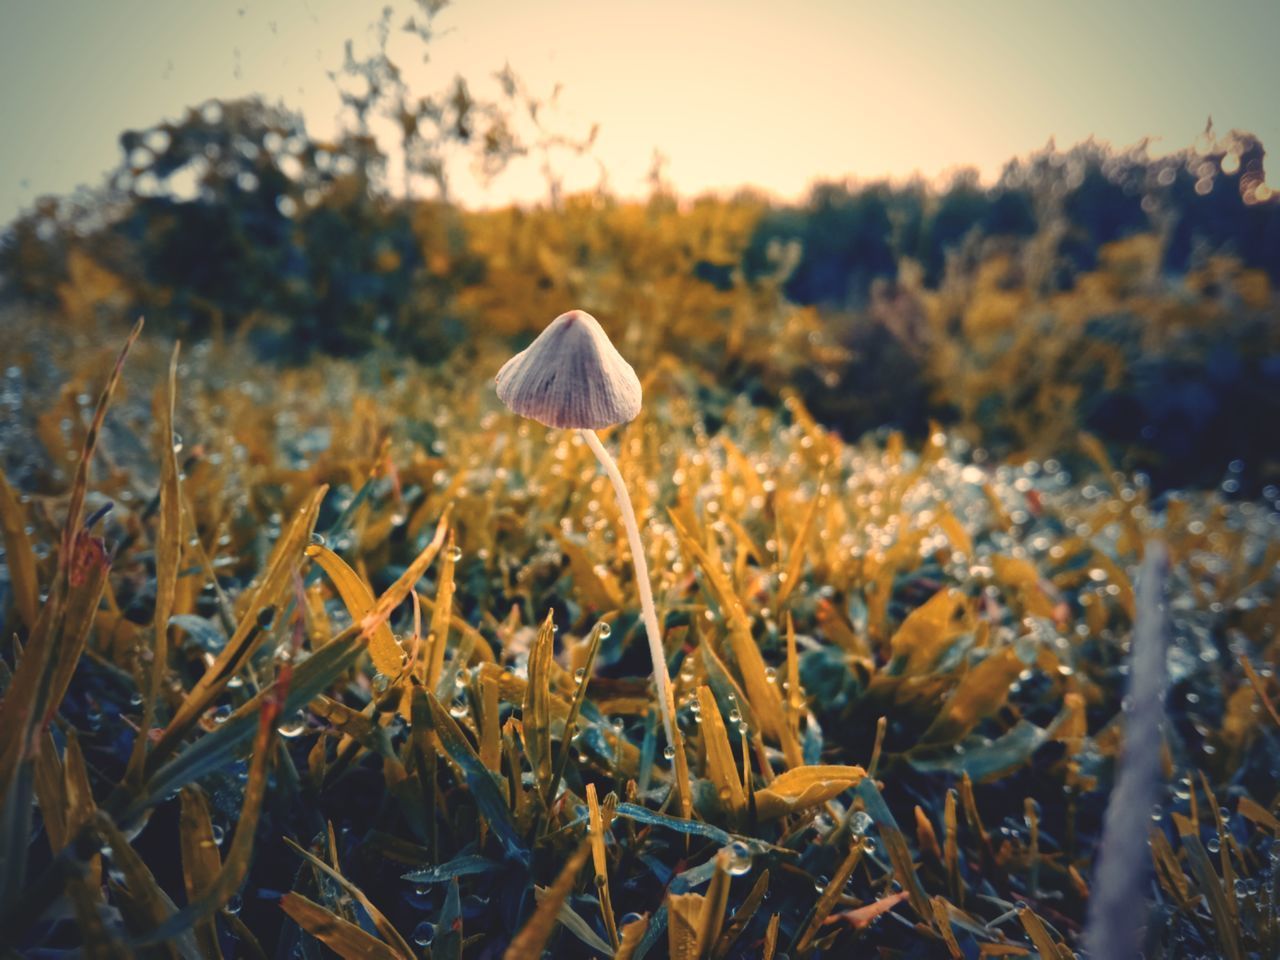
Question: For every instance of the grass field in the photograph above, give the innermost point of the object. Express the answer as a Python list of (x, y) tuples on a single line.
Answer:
[(383, 639)]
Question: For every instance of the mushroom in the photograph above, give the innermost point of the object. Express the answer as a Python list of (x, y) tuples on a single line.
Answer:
[(572, 377)]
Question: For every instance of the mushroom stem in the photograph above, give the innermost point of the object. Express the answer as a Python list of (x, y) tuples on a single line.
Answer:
[(648, 611)]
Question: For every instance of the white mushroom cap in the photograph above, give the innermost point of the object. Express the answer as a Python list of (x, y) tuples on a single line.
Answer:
[(571, 376)]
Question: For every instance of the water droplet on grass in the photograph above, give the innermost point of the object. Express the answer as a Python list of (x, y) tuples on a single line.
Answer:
[(737, 858)]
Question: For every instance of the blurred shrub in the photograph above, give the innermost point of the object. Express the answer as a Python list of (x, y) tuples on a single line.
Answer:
[(664, 277), (1181, 373)]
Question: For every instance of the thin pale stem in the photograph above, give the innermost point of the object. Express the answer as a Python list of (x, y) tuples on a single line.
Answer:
[(648, 611)]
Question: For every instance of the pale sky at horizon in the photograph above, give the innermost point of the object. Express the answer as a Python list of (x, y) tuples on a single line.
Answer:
[(770, 95)]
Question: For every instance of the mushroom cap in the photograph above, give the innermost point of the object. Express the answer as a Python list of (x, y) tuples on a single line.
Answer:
[(571, 377)]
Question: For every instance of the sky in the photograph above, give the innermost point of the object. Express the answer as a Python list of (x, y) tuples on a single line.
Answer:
[(768, 94)]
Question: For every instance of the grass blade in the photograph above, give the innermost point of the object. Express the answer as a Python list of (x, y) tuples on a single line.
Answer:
[(341, 936), (533, 936)]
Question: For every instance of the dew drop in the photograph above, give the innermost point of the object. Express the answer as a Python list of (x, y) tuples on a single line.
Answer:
[(294, 727), (737, 858)]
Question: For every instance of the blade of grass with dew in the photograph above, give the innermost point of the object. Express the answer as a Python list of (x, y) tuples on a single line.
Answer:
[(716, 903), (489, 797), (827, 899), (208, 754), (236, 864), (1169, 871), (20, 558), (979, 694), (447, 942), (770, 945), (395, 594), (763, 695), (985, 761), (37, 687), (383, 925), (80, 485), (385, 653), (795, 556), (1250, 809), (684, 925), (575, 707), (168, 547), (81, 808), (632, 935), (951, 849), (422, 744), (794, 706), (341, 936), (201, 861), (942, 922), (595, 834), (802, 787), (149, 905), (721, 769), (100, 943), (441, 613), (536, 715), (467, 865), (576, 924), (1225, 841), (344, 719), (896, 846), (723, 684), (1210, 886), (491, 724), (532, 939), (731, 697), (1039, 934), (249, 635), (693, 827), (928, 631), (87, 581), (50, 791), (652, 933), (742, 916)]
